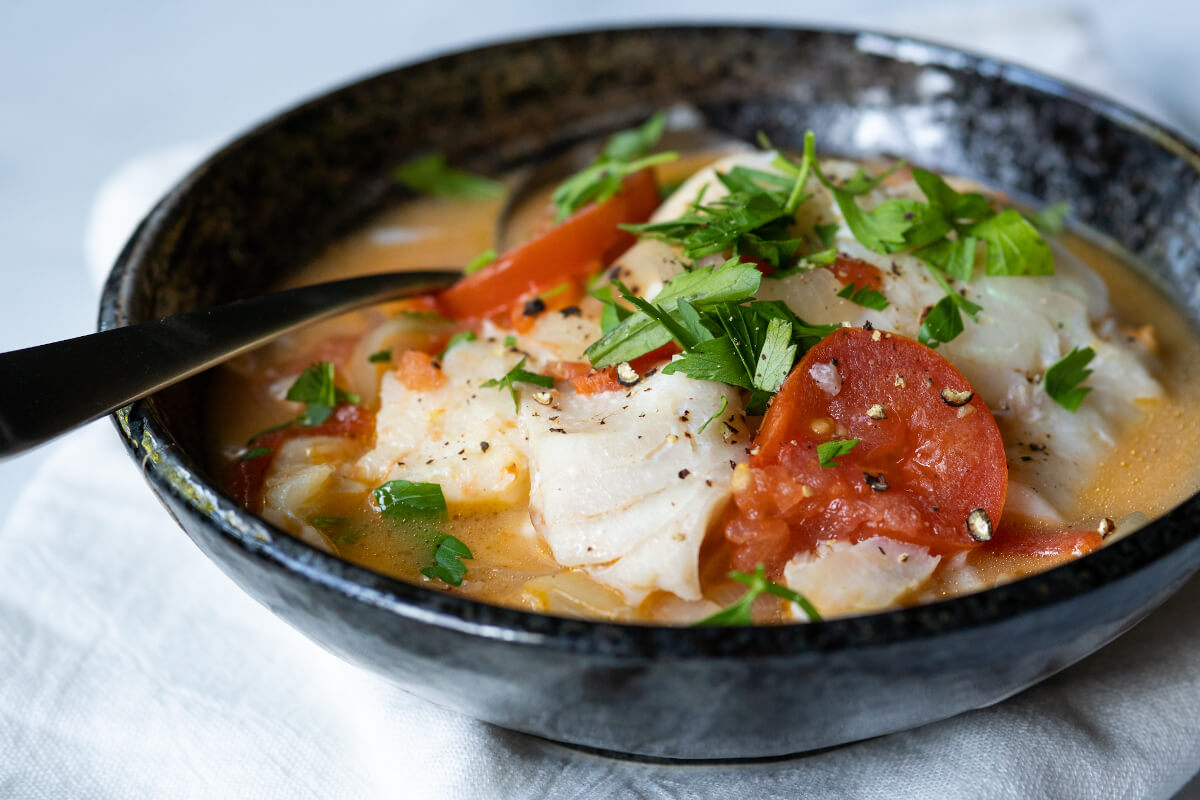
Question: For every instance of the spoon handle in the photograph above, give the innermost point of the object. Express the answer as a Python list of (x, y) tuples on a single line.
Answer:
[(53, 388)]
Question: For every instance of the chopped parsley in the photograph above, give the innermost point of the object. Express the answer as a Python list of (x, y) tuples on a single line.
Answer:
[(757, 584), (381, 357), (519, 375), (865, 297), (623, 155), (316, 389), (401, 500), (447, 561), (480, 261), (510, 341), (255, 452), (1052, 219), (751, 220), (639, 333), (945, 233), (1063, 378), (944, 322), (458, 338), (724, 338), (828, 451), (431, 175)]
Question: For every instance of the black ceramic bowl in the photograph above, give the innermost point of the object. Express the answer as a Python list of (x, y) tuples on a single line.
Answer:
[(274, 198)]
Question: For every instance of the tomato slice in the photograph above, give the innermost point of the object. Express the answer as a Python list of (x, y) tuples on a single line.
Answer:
[(922, 465), (250, 474), (585, 242)]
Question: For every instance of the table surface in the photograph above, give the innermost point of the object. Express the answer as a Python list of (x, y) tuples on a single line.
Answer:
[(85, 87)]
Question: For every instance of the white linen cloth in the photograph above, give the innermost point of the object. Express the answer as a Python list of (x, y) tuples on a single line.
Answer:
[(131, 667)]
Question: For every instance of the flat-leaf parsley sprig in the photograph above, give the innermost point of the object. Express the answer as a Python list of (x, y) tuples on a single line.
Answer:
[(757, 584)]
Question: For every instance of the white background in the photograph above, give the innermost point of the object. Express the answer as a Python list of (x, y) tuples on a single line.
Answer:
[(84, 87)]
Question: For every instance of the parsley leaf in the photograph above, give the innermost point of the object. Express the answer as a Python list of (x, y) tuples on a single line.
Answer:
[(255, 453), (828, 451), (314, 385), (1052, 219), (480, 261), (1014, 247), (315, 388), (753, 219), (1062, 380), (431, 175), (401, 500), (458, 338), (739, 613), (639, 333), (510, 341), (519, 375), (447, 561), (636, 142), (827, 233), (943, 322), (776, 357), (381, 357), (623, 155), (955, 257), (865, 297)]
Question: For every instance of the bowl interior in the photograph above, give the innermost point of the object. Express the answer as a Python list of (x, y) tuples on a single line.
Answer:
[(273, 199)]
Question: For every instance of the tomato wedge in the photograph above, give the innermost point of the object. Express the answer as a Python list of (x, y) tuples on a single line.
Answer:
[(924, 461), (250, 474), (585, 242)]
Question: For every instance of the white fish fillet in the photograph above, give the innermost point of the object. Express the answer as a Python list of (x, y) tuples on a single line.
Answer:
[(623, 483), (843, 578)]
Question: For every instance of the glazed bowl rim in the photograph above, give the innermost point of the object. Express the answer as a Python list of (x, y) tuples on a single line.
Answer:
[(171, 471)]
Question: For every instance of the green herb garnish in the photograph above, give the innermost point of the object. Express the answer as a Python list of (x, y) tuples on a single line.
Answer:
[(752, 219), (255, 452), (865, 297), (458, 338), (510, 341), (1063, 378), (402, 500), (315, 388), (639, 333), (740, 612), (623, 155), (381, 357), (431, 175), (480, 261), (519, 375), (1052, 219), (447, 561), (828, 451)]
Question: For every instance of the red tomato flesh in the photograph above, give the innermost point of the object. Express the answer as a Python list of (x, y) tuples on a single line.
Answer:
[(584, 242), (938, 461)]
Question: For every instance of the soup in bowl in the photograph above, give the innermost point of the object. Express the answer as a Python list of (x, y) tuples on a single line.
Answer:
[(779, 423)]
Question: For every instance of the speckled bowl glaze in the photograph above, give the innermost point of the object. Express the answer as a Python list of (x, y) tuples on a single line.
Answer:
[(275, 197)]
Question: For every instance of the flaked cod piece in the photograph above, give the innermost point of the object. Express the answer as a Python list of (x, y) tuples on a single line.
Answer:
[(624, 484)]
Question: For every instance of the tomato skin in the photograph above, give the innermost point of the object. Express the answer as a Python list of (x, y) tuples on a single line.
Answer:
[(939, 462), (250, 474), (586, 241), (1019, 540)]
